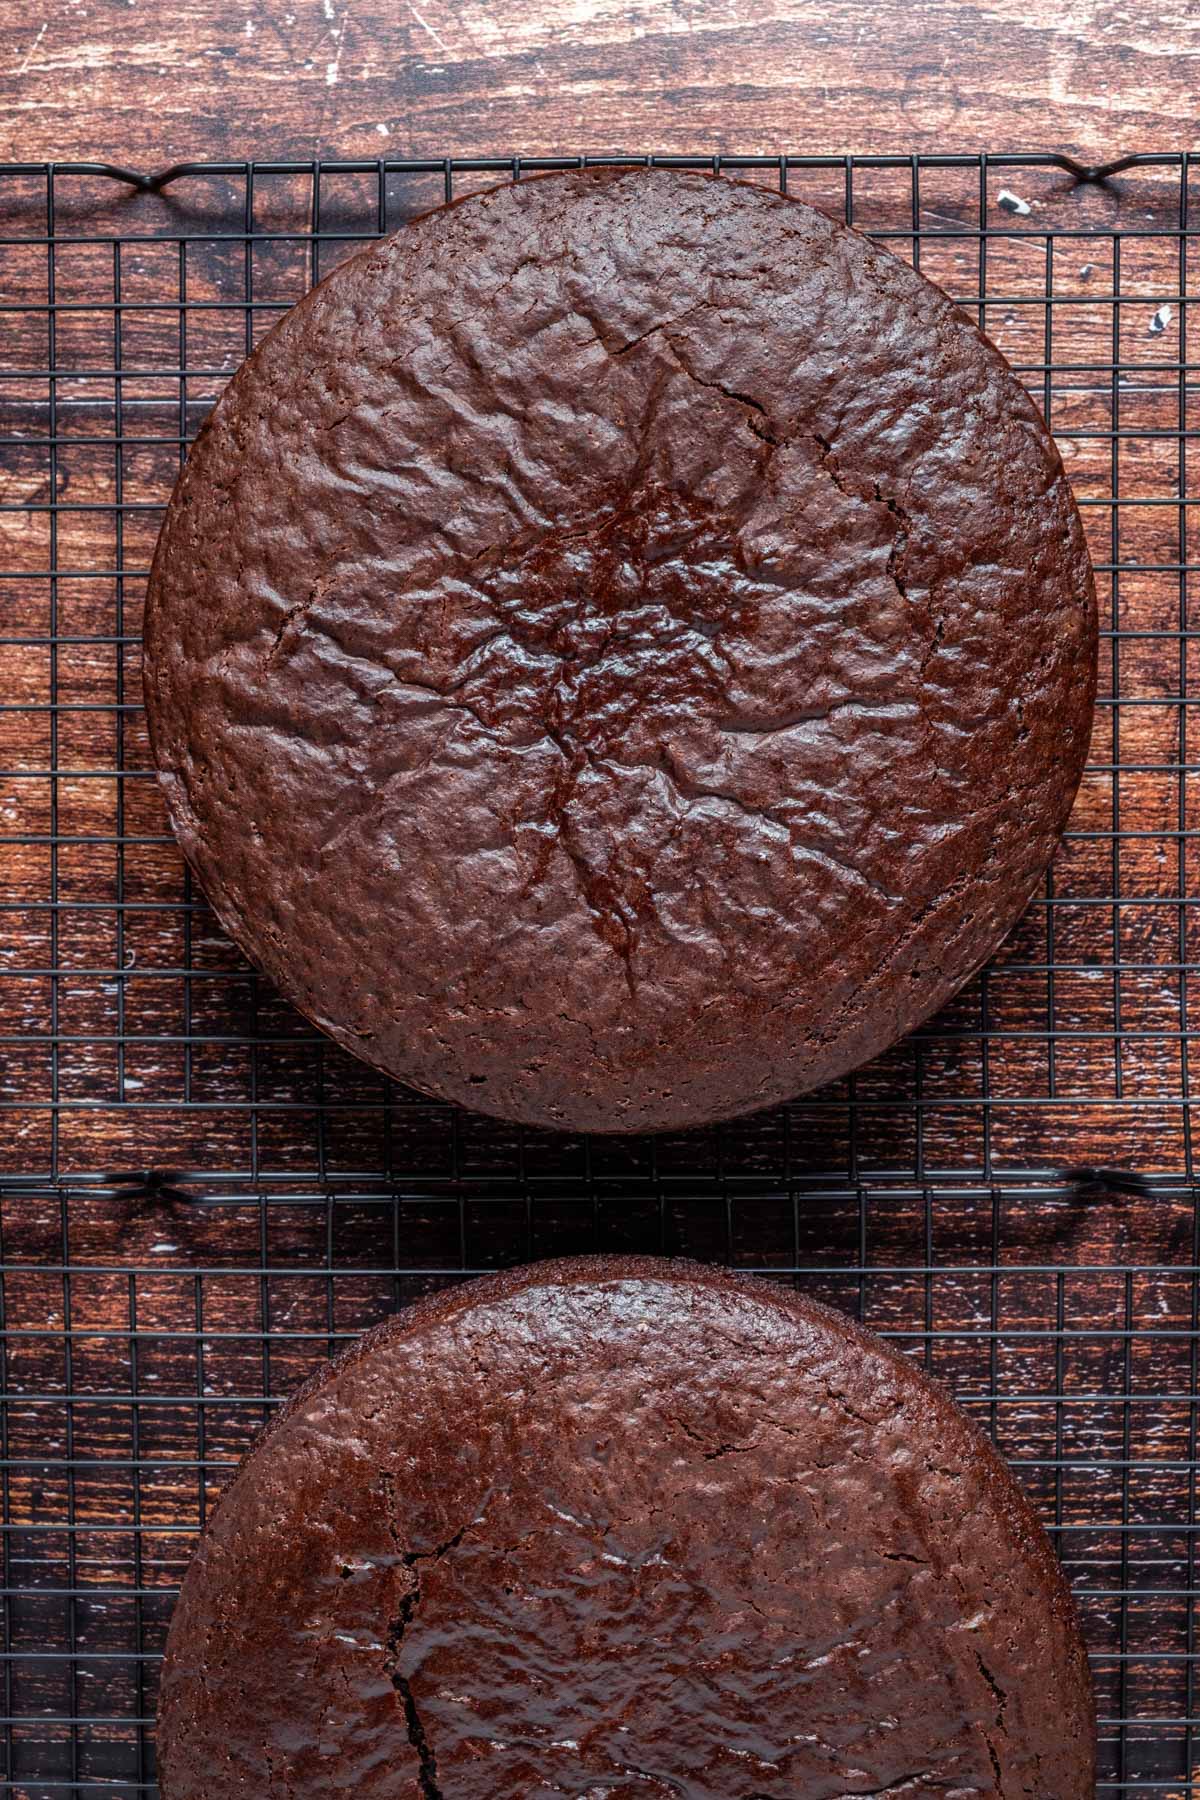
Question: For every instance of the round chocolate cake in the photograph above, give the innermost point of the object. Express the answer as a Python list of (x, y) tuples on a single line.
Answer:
[(621, 651), (614, 1528)]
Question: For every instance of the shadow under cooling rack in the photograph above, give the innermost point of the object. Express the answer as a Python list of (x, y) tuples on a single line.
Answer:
[(200, 1198)]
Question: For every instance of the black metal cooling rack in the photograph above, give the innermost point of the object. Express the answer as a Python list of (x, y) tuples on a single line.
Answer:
[(200, 1198)]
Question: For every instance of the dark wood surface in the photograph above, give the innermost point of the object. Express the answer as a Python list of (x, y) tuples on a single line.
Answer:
[(149, 81), (201, 1309)]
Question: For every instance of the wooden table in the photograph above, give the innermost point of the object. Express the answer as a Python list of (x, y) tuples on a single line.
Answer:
[(149, 81), (1013, 1293)]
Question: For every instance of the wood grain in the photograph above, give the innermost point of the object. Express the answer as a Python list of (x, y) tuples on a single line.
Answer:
[(203, 1304), (149, 81)]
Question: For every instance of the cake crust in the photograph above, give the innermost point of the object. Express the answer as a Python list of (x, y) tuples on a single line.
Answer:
[(623, 1527), (621, 651)]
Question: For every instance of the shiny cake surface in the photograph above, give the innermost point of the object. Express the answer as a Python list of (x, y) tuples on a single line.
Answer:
[(621, 1528), (622, 651)]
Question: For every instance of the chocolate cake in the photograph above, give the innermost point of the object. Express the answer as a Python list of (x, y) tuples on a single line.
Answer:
[(623, 1528), (621, 651)]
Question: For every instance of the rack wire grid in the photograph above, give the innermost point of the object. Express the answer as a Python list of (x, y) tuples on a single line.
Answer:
[(200, 1198)]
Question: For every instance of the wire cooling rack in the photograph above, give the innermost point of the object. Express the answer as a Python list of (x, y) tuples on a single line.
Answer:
[(200, 1198)]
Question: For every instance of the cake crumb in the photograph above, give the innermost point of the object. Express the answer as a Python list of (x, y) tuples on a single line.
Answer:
[(1013, 203)]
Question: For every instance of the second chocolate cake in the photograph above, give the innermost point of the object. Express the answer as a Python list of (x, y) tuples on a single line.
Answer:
[(619, 1529), (622, 651)]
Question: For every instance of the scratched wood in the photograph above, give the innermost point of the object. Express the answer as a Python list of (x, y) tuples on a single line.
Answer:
[(151, 81), (211, 1298)]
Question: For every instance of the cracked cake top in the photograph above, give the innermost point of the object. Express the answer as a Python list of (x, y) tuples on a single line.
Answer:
[(621, 651), (618, 1528)]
